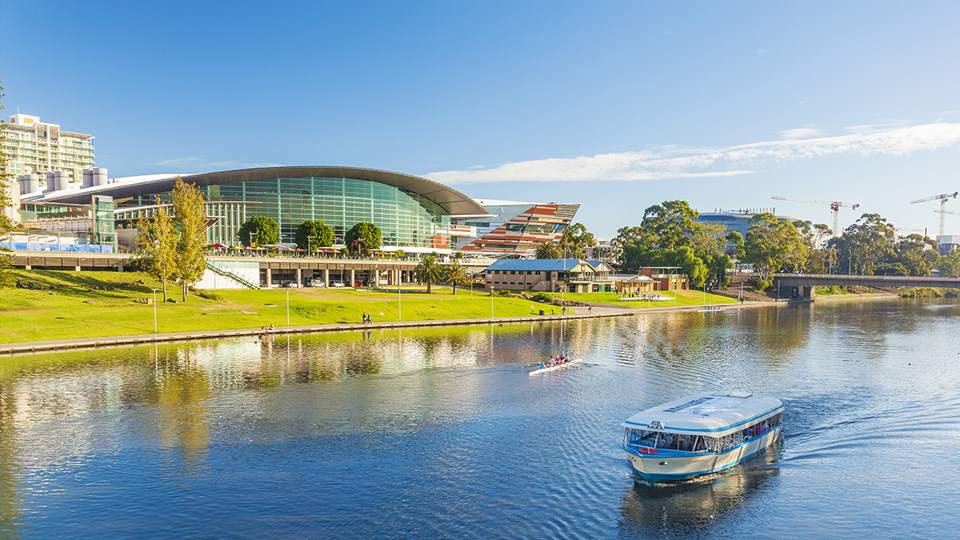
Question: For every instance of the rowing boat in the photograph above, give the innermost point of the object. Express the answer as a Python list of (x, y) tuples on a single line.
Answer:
[(556, 368)]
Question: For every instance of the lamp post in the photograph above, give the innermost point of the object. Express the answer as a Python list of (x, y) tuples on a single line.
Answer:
[(399, 302), (491, 303), (288, 307), (154, 311)]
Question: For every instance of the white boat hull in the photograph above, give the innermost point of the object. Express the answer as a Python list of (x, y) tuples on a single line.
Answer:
[(654, 468), (557, 368)]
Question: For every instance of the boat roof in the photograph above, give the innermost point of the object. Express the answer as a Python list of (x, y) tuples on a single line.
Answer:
[(706, 413)]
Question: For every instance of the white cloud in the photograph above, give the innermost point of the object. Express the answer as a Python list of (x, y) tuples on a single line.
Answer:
[(697, 162), (800, 133)]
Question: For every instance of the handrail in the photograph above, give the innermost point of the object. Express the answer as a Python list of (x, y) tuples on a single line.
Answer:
[(230, 275)]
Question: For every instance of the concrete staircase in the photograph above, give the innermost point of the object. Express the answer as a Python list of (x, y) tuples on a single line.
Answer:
[(231, 276)]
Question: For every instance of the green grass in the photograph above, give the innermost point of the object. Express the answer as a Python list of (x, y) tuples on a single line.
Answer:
[(95, 304), (683, 298)]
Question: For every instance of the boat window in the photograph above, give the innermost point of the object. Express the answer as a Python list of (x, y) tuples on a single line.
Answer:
[(642, 437), (685, 442), (713, 443), (666, 440), (700, 444), (726, 443)]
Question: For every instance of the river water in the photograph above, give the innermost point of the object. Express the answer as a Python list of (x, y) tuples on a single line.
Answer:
[(441, 433)]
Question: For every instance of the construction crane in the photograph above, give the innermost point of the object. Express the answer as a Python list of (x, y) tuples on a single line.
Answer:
[(835, 207), (943, 198)]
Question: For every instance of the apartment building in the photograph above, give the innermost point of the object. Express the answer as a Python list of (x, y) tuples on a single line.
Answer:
[(35, 147)]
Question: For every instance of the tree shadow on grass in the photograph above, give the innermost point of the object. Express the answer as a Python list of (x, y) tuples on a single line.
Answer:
[(84, 286)]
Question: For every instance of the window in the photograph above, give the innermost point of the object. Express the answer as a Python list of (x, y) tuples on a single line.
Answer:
[(685, 442), (642, 437), (666, 440)]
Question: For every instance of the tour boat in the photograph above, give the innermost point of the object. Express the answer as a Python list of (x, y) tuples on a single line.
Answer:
[(556, 368), (701, 434)]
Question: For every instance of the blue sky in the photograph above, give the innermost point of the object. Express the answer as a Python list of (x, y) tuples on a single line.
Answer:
[(613, 105)]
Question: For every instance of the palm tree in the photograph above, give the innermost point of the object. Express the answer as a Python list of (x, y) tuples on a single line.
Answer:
[(429, 271), (457, 276)]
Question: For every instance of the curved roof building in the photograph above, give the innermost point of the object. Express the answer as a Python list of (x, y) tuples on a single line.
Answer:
[(411, 211)]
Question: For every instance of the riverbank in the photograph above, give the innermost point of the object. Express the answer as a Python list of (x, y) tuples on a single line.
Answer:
[(93, 309), (67, 305), (116, 341)]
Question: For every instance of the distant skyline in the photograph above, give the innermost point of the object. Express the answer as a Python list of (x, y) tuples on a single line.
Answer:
[(613, 105)]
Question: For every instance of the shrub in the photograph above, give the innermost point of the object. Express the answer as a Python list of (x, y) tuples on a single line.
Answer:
[(209, 295), (542, 298)]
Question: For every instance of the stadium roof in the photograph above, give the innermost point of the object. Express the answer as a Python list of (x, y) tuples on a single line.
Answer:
[(451, 200)]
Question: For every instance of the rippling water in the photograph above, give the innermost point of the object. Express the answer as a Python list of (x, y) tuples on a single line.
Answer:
[(441, 433)]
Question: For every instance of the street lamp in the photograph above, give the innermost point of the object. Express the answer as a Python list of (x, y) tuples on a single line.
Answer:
[(491, 303), (399, 301), (288, 307), (154, 311)]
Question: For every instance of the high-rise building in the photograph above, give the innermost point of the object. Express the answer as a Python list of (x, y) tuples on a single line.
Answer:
[(35, 147)]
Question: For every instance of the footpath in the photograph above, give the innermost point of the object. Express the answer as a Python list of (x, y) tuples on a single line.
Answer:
[(595, 312)]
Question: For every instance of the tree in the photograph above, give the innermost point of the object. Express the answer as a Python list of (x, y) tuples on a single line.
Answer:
[(575, 241), (917, 254), (457, 276), (362, 238), (314, 234), (693, 266), (671, 223), (866, 244), (259, 231), (190, 218), (429, 271), (549, 250), (735, 245), (774, 244), (158, 245), (949, 264), (717, 267), (6, 201)]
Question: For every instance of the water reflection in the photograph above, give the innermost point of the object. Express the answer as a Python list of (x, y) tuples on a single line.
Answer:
[(440, 432), (10, 498), (693, 505), (181, 387)]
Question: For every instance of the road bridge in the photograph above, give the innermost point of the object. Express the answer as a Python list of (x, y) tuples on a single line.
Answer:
[(801, 286)]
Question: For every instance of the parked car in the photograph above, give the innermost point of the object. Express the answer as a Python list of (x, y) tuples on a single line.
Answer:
[(338, 284), (292, 285), (317, 283)]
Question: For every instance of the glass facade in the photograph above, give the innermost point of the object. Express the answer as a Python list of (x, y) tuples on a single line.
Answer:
[(104, 226), (404, 217)]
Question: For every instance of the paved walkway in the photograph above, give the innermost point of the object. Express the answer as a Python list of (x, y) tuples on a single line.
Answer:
[(114, 341)]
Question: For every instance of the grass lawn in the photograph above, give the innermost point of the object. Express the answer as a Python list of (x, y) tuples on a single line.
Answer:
[(683, 298), (92, 304)]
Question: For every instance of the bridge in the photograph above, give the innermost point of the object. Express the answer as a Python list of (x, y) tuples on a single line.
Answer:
[(801, 286)]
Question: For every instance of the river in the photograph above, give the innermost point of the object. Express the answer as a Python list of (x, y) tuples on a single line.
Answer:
[(441, 433)]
